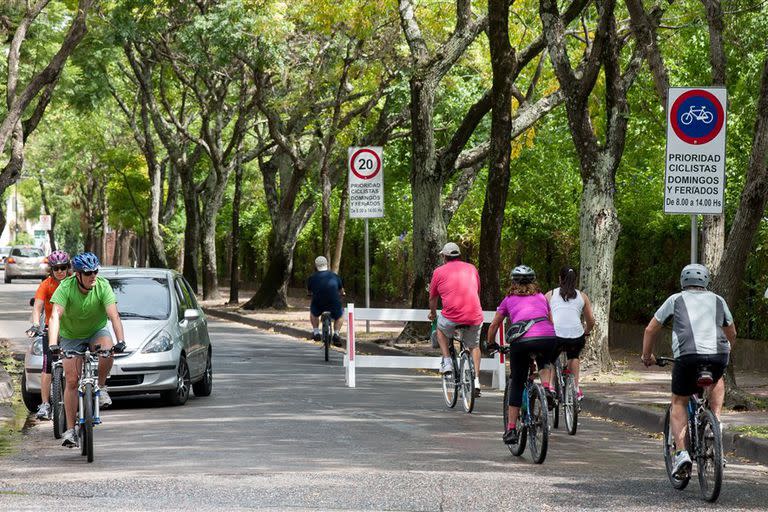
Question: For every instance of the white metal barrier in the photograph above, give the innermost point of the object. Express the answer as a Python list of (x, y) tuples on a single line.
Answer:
[(352, 361)]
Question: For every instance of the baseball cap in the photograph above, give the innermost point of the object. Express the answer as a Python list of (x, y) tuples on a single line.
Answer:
[(450, 249), (321, 263)]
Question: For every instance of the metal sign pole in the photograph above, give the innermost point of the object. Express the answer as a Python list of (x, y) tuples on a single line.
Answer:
[(694, 239), (367, 278)]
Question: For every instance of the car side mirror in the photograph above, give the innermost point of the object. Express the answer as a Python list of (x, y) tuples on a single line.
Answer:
[(191, 314)]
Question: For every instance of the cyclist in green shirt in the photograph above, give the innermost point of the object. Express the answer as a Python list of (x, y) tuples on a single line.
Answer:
[(81, 306)]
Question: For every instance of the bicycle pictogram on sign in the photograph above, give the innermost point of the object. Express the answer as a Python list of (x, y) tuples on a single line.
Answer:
[(697, 117)]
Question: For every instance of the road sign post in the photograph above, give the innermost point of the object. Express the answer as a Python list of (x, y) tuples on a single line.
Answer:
[(366, 197), (694, 177)]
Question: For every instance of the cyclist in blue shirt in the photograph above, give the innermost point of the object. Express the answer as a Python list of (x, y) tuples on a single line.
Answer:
[(326, 290)]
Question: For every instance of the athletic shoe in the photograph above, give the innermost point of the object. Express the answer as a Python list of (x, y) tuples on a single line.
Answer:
[(579, 395), (70, 439), (336, 340), (682, 466), (316, 336), (446, 366), (44, 411), (510, 436), (104, 399), (477, 393), (550, 393)]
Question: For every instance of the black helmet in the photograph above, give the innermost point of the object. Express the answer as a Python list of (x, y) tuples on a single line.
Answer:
[(694, 275), (523, 274)]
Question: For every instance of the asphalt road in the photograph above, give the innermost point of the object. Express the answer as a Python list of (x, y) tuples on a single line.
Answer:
[(282, 432)]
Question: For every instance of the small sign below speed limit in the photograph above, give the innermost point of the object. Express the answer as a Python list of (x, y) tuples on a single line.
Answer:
[(366, 182)]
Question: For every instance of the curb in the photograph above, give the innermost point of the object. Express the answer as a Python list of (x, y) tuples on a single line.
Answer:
[(6, 385), (261, 324), (751, 448)]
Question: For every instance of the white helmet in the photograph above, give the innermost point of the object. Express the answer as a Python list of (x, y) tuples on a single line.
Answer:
[(694, 275), (321, 263)]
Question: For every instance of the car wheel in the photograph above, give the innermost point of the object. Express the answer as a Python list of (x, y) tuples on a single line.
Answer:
[(180, 395), (31, 400), (204, 386)]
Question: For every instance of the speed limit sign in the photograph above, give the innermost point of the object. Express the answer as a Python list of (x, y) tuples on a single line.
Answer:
[(366, 182)]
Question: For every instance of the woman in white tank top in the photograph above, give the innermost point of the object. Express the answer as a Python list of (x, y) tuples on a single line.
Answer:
[(572, 318)]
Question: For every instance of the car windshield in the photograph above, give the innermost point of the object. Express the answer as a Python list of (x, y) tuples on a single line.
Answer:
[(142, 297), (28, 252)]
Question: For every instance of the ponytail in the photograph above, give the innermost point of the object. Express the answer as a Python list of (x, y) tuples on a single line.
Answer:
[(567, 283)]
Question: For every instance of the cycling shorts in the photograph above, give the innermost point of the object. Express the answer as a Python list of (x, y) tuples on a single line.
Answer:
[(334, 309), (470, 334), (572, 346), (686, 370), (80, 344)]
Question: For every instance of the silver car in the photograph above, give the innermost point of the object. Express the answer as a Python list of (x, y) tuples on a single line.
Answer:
[(4, 252), (166, 333), (25, 261)]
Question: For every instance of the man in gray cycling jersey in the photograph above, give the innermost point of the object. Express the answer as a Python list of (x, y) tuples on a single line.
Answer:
[(702, 333)]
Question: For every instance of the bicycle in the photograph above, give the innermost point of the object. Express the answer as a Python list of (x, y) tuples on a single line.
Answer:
[(534, 415), (703, 441), (565, 396), (327, 338), (699, 114), (58, 413), (88, 413), (462, 381)]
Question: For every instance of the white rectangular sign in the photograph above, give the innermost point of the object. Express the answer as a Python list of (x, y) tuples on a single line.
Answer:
[(694, 178), (45, 222), (366, 182)]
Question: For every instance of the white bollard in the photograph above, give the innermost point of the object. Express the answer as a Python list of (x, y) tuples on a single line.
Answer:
[(349, 359)]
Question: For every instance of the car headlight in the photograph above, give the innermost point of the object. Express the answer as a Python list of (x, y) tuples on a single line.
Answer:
[(37, 347), (160, 343)]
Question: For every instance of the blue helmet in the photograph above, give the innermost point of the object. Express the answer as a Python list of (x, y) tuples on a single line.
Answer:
[(85, 262)]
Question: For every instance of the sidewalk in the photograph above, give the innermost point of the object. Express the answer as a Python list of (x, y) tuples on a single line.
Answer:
[(631, 394)]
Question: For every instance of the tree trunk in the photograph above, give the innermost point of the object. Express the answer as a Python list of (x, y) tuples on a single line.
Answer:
[(341, 230), (208, 246), (156, 246), (46, 208), (234, 280), (191, 233), (598, 233), (429, 231), (325, 183), (492, 217), (273, 290)]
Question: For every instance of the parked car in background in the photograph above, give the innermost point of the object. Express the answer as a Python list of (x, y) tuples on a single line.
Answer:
[(168, 350), (4, 252), (25, 261)]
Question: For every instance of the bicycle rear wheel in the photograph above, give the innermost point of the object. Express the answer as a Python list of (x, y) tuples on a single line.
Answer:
[(559, 393), (451, 385), (88, 425), (669, 454), (515, 449), (538, 430), (709, 456), (57, 402), (326, 335), (571, 405), (467, 380)]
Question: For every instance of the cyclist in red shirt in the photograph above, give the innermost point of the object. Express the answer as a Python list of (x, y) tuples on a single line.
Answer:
[(457, 283), (58, 263)]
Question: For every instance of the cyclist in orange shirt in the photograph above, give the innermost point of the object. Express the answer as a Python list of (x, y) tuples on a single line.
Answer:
[(58, 262)]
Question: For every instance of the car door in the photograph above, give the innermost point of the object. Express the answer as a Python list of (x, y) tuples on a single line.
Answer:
[(186, 328), (201, 327)]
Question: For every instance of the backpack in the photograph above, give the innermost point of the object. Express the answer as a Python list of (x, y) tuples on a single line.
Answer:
[(516, 330)]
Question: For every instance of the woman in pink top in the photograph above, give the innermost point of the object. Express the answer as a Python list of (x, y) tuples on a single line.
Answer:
[(524, 301)]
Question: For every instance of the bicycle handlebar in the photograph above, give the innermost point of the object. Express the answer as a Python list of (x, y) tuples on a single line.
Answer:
[(664, 361)]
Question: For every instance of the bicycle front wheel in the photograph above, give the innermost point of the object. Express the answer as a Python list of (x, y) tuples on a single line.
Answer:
[(669, 454), (450, 386), (538, 430), (467, 378), (515, 449), (57, 402), (709, 456), (571, 406), (88, 424)]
